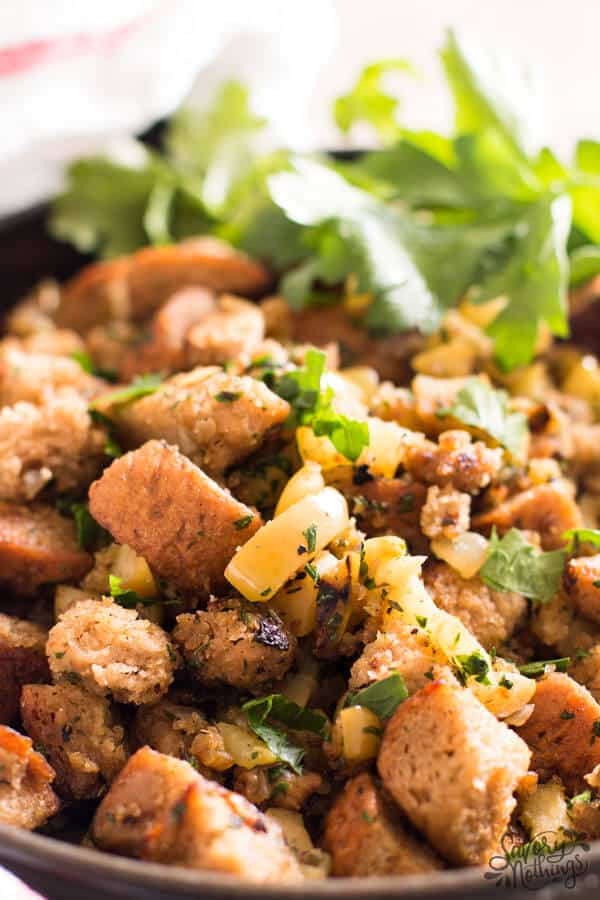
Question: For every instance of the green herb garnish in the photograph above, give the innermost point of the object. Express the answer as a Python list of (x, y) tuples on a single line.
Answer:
[(513, 564), (382, 697), (286, 712)]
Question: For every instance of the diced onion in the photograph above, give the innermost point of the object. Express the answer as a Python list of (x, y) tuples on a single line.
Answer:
[(383, 454), (408, 602), (246, 750), (466, 554), (545, 809), (364, 378), (134, 572), (306, 481), (360, 733), (296, 602), (264, 563)]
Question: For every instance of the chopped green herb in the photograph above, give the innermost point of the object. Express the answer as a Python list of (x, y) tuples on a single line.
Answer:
[(141, 386), (473, 665), (512, 564), (284, 711), (565, 714), (266, 592), (382, 697), (311, 572), (537, 668), (90, 535), (406, 503), (480, 406), (242, 523), (84, 359), (312, 405), (578, 536), (583, 797), (506, 683), (129, 599), (227, 396), (310, 534), (422, 621)]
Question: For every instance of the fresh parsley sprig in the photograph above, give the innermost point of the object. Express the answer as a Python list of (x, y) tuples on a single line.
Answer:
[(513, 564), (312, 404)]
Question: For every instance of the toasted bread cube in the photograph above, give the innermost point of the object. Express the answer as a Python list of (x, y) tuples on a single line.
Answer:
[(215, 418), (563, 731), (453, 769), (38, 546), (367, 836), (161, 809), (22, 661), (26, 796), (184, 524)]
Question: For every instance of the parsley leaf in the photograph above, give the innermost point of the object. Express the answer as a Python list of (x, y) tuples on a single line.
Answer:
[(112, 446), (368, 102), (382, 697), (311, 405), (473, 665), (512, 564), (278, 707), (141, 386), (577, 536), (130, 599), (482, 407), (537, 668), (90, 535)]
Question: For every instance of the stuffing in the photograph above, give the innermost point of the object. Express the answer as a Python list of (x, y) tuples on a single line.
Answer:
[(454, 460), (563, 731), (446, 513), (38, 546), (492, 616), (215, 419), (54, 443)]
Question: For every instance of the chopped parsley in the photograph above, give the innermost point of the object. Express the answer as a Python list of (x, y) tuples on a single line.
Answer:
[(566, 714), (265, 714), (111, 447), (129, 599), (537, 668), (227, 396), (480, 406), (312, 404), (242, 523), (141, 386), (382, 697), (513, 564), (310, 534), (473, 665), (90, 535), (578, 536)]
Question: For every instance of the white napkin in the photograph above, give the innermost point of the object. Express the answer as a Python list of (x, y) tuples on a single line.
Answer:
[(75, 75)]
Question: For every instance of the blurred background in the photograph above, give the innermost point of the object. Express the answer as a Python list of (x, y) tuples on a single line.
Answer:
[(74, 76)]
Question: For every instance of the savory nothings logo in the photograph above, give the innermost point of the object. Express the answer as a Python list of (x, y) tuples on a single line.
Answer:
[(550, 857)]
